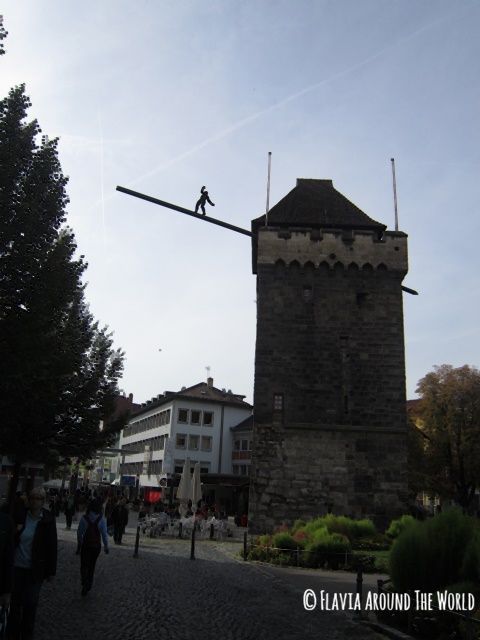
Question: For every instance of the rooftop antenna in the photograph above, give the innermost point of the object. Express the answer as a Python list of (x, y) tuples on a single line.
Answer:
[(394, 193), (268, 187)]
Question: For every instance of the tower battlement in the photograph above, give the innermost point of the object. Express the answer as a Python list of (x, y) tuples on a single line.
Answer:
[(331, 247)]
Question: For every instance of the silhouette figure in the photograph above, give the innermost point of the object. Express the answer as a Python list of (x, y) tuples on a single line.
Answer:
[(201, 202)]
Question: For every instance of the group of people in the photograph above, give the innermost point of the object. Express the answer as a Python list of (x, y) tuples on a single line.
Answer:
[(28, 551)]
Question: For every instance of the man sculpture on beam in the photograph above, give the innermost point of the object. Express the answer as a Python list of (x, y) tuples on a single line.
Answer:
[(201, 202)]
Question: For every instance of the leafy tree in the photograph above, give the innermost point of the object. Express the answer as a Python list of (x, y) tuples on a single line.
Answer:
[(3, 35), (449, 414), (418, 478), (59, 369)]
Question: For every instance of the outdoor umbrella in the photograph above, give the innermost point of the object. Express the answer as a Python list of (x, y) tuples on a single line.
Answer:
[(184, 487), (196, 486)]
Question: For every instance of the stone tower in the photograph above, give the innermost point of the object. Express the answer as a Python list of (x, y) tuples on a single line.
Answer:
[(329, 396)]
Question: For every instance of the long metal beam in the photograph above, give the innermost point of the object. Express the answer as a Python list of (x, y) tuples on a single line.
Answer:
[(220, 223), (412, 291)]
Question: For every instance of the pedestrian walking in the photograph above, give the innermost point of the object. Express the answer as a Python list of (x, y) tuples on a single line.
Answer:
[(201, 201), (120, 520), (69, 510), (92, 529), (35, 560)]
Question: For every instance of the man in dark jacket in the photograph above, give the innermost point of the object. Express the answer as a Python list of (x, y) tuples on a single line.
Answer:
[(35, 560), (120, 520)]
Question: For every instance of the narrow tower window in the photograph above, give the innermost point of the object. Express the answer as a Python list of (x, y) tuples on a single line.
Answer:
[(307, 293), (278, 401)]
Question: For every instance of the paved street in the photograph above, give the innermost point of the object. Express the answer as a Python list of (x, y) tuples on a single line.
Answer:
[(163, 594)]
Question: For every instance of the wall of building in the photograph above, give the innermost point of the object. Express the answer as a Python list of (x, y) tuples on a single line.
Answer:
[(330, 348), (216, 460)]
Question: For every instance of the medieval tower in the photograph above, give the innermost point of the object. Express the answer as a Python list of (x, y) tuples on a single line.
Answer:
[(329, 395)]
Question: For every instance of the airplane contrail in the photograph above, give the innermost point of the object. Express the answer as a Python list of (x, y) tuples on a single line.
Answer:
[(284, 101)]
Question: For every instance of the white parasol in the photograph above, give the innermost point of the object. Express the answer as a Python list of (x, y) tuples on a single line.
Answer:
[(196, 493), (184, 487)]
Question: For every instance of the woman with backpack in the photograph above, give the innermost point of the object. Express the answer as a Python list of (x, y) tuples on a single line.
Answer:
[(92, 529)]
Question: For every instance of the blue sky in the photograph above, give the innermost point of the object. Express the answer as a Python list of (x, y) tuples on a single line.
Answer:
[(165, 96)]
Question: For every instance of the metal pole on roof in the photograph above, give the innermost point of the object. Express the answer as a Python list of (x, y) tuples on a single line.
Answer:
[(394, 193), (268, 187)]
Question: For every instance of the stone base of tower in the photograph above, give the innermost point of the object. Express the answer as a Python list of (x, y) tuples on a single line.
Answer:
[(309, 470)]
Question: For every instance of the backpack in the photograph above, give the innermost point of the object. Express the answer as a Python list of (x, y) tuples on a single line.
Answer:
[(91, 537)]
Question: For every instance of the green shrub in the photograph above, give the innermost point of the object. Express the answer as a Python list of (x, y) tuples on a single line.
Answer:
[(264, 541), (314, 525), (397, 526), (298, 524), (319, 534), (282, 559), (301, 538), (379, 542), (326, 548), (261, 554), (284, 541), (352, 529), (363, 528), (436, 553)]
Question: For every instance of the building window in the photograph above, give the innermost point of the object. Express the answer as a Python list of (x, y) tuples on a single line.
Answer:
[(206, 443), (307, 293), (278, 401), (195, 417), (244, 445), (236, 445), (243, 470), (183, 415), (193, 442), (181, 442), (179, 466), (204, 467), (208, 418)]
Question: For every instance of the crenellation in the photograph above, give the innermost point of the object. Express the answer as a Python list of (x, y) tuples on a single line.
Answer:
[(362, 249)]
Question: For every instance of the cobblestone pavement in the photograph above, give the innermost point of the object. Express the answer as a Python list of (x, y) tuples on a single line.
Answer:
[(164, 594)]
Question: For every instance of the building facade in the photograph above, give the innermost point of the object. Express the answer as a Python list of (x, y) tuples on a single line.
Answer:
[(242, 443), (193, 423), (329, 393)]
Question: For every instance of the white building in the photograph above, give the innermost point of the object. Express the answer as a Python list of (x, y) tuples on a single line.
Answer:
[(192, 423), (242, 441)]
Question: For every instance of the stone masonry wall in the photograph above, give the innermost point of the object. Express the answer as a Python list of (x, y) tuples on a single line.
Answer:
[(330, 343)]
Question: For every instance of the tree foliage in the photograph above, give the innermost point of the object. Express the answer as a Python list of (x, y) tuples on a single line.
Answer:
[(449, 416), (60, 371), (3, 35)]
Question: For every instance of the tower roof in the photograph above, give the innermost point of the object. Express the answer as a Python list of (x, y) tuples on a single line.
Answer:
[(316, 203)]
